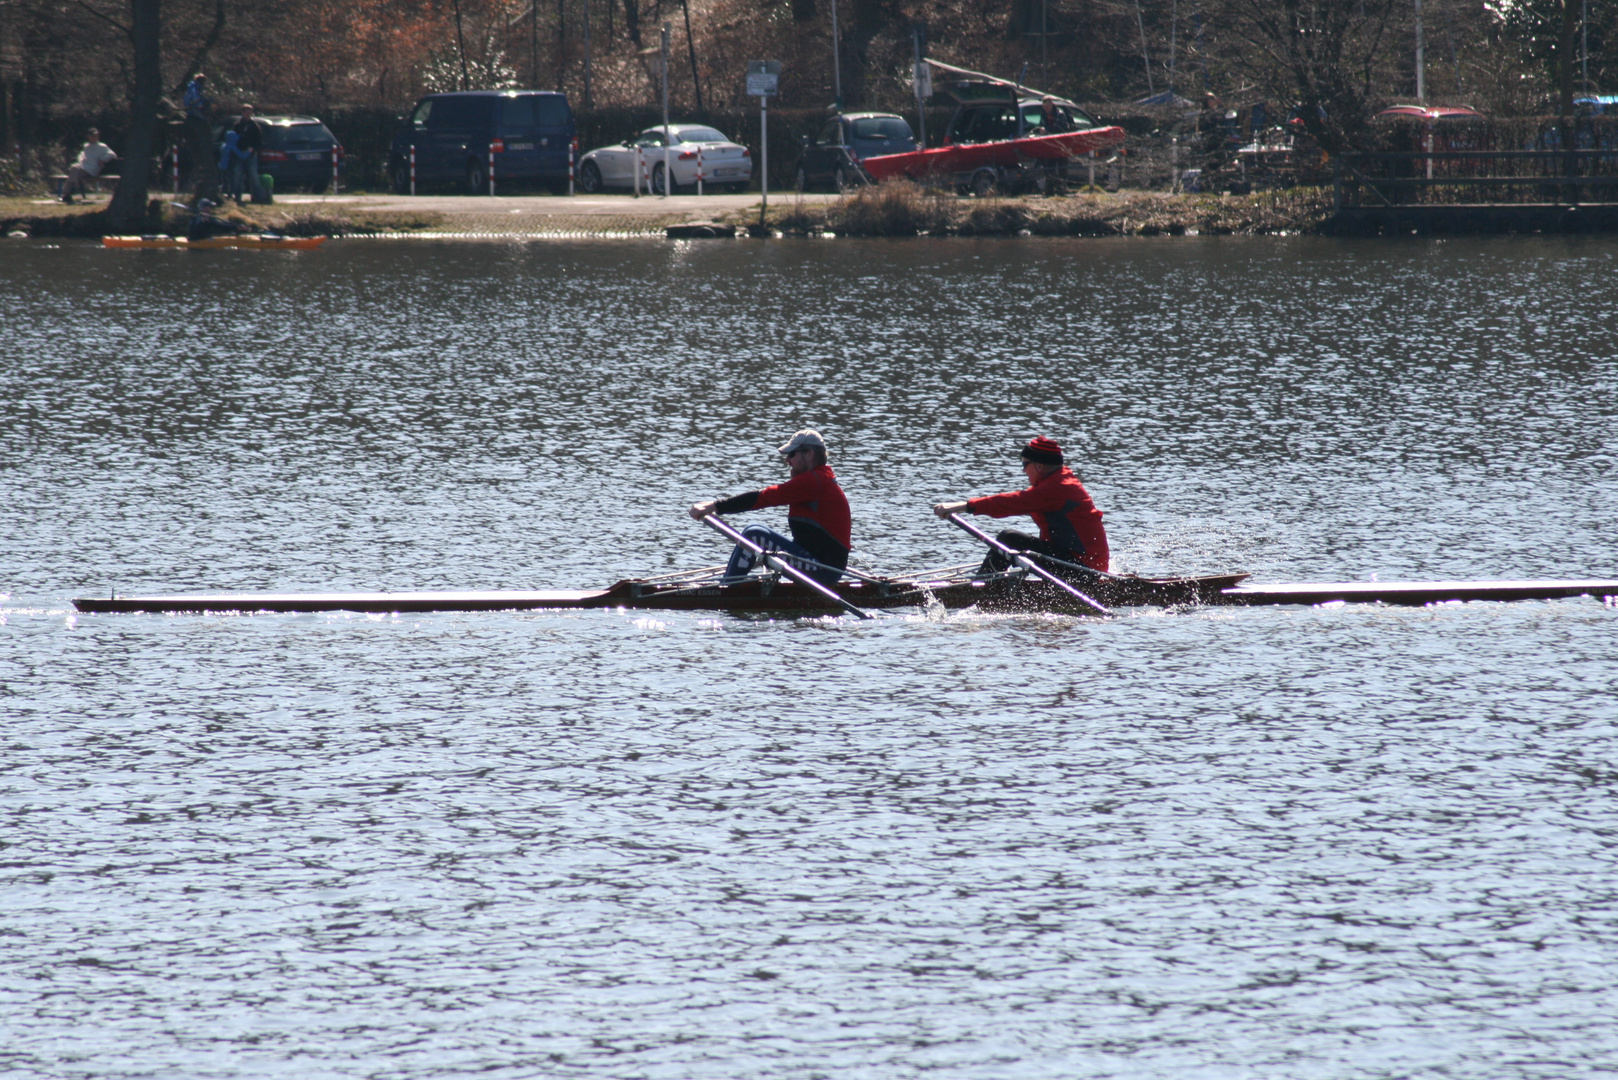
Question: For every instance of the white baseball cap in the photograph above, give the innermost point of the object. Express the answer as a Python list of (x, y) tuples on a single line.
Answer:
[(806, 437)]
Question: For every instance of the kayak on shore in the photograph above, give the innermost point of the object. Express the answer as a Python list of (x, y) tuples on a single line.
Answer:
[(262, 241)]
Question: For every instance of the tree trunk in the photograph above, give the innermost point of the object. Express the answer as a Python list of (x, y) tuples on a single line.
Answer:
[(127, 212), (632, 21)]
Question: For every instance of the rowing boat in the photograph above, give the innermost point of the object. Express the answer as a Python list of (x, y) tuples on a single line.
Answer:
[(260, 241), (703, 590), (770, 594)]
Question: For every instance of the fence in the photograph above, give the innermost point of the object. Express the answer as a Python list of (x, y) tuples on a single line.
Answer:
[(1438, 178)]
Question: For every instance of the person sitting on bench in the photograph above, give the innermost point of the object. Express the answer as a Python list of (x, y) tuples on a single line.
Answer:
[(93, 161)]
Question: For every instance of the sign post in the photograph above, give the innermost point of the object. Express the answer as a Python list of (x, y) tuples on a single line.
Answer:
[(763, 80), (668, 175), (923, 82)]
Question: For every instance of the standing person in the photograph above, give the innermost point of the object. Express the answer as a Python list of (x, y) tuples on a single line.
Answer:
[(1069, 524), (93, 160), (249, 140), (197, 101), (199, 134), (230, 166), (817, 513)]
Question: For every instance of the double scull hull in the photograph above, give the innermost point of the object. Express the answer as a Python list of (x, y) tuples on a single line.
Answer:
[(766, 595)]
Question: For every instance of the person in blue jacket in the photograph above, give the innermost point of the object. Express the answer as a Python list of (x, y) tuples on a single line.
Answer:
[(232, 163)]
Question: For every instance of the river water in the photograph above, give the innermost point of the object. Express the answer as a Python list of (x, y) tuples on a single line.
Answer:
[(1345, 842)]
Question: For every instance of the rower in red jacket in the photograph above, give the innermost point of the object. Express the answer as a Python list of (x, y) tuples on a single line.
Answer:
[(1069, 523), (817, 513)]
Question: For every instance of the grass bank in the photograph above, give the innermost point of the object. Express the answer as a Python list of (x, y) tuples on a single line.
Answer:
[(902, 209), (33, 217), (891, 209)]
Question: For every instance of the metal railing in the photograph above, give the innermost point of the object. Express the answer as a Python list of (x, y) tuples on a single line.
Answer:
[(1375, 179)]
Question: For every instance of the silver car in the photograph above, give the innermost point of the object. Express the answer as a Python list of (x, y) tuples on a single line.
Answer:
[(724, 163)]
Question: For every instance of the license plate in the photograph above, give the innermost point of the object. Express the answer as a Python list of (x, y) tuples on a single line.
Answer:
[(726, 172), (520, 146), (310, 157)]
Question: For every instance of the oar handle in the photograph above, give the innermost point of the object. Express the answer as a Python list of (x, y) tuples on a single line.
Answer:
[(1027, 563), (775, 563)]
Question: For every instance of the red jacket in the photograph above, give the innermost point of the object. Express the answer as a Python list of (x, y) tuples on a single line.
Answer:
[(1068, 519), (812, 499)]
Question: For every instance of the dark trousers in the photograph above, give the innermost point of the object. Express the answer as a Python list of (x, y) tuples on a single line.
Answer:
[(995, 562), (741, 560)]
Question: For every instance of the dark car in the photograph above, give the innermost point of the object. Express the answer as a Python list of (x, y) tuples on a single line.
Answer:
[(297, 151), (981, 121), (527, 134), (832, 156)]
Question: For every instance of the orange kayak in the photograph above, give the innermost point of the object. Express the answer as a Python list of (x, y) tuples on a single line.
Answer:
[(246, 240)]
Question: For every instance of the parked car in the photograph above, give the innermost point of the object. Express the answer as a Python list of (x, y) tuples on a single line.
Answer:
[(527, 133), (297, 150), (832, 156), (724, 163), (981, 121)]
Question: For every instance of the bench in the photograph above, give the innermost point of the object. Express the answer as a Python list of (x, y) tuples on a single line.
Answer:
[(102, 184)]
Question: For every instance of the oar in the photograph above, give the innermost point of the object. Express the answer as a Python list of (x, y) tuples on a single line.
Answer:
[(1025, 562), (776, 563)]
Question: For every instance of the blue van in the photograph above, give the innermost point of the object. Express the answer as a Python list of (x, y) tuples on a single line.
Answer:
[(528, 134)]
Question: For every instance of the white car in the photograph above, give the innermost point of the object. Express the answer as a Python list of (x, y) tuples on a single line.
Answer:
[(724, 163)]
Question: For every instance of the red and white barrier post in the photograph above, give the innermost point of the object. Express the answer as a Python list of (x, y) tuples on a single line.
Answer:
[(176, 153), (412, 168), (699, 169), (492, 148), (336, 153), (572, 164)]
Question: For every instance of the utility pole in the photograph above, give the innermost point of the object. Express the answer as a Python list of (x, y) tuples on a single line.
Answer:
[(1146, 58), (691, 48), (923, 82), (1044, 43), (1421, 61), (836, 61), (668, 176)]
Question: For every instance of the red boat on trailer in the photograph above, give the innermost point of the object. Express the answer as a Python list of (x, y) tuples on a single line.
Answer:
[(1000, 136)]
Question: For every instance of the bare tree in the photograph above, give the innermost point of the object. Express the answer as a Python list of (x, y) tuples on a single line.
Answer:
[(1326, 56)]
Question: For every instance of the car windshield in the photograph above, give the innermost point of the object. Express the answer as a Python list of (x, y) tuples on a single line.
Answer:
[(298, 137), (882, 127), (699, 135)]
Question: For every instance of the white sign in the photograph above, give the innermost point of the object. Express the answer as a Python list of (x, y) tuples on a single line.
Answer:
[(764, 78), (924, 79)]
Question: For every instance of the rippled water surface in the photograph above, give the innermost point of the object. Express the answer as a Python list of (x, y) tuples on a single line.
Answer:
[(1341, 842)]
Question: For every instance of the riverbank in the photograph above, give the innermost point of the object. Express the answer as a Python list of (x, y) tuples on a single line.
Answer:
[(908, 210), (887, 210)]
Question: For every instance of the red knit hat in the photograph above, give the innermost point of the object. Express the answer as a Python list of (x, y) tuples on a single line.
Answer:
[(1042, 450)]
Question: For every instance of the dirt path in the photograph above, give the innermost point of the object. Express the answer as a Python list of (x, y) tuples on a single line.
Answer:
[(545, 215)]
